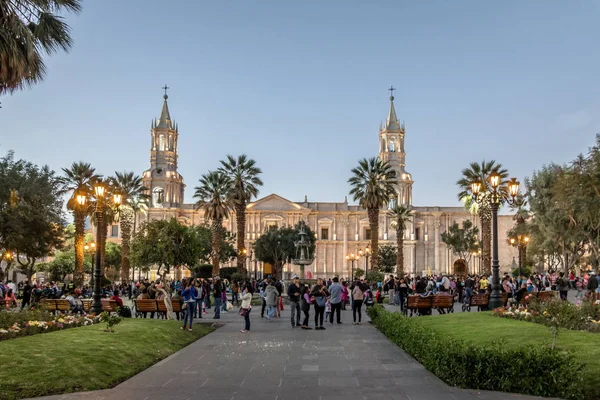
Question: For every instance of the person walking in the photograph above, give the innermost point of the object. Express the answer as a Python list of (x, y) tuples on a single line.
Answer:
[(271, 300), (335, 292), (189, 300), (294, 294), (320, 293), (217, 294), (246, 307), (199, 300), (563, 286), (358, 297), (305, 300)]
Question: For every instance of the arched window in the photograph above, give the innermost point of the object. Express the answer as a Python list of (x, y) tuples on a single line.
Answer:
[(161, 143), (392, 146)]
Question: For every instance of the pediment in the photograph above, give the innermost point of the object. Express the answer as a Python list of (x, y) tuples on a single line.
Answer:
[(274, 202), (325, 221)]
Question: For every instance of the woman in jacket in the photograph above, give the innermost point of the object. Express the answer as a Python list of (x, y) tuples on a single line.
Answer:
[(305, 305), (358, 297), (189, 299), (271, 300), (320, 293), (246, 305)]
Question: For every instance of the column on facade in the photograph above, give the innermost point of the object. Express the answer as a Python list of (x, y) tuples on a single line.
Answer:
[(413, 258), (436, 225), (345, 247)]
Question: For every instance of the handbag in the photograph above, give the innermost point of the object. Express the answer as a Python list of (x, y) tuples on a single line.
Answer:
[(243, 312), (321, 301), (184, 306), (313, 299)]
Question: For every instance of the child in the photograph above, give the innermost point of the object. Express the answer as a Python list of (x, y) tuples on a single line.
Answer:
[(327, 309), (379, 296), (579, 286)]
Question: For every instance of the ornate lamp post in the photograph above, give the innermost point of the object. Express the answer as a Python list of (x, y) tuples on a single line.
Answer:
[(100, 190), (495, 197), (366, 253), (521, 241), (352, 257)]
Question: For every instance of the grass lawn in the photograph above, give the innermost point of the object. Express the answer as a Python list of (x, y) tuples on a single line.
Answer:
[(482, 328), (86, 358)]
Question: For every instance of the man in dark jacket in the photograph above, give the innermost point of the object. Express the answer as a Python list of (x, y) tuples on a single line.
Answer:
[(294, 295)]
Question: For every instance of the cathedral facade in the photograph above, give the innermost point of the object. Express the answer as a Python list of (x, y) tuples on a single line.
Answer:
[(341, 228)]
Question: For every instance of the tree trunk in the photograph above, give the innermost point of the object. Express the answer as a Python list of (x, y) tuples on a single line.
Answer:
[(486, 240), (217, 240), (400, 253), (104, 234), (373, 214), (79, 255), (126, 223), (240, 216)]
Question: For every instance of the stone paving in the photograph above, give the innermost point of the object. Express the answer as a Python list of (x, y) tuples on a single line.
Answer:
[(277, 362)]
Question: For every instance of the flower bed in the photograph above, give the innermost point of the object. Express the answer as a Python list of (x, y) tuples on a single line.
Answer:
[(556, 313), (32, 322)]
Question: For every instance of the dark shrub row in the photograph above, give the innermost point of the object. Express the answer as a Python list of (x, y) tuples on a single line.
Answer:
[(536, 371)]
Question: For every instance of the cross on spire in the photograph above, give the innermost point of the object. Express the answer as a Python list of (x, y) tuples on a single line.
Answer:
[(165, 89), (391, 89)]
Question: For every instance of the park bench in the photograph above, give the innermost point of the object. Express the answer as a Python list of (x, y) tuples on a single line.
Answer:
[(109, 306), (443, 304), (477, 300), (420, 304), (162, 307), (145, 306), (56, 305), (546, 295)]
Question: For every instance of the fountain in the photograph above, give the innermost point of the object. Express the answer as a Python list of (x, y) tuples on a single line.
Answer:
[(303, 257)]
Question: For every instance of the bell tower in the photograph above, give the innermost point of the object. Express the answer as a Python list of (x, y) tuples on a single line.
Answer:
[(391, 149), (164, 183)]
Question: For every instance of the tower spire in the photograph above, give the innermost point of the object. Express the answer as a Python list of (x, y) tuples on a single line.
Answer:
[(165, 118), (392, 123)]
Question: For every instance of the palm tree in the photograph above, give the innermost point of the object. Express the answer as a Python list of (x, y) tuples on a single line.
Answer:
[(213, 198), (29, 28), (373, 185), (130, 186), (79, 179), (244, 176), (400, 216), (480, 173)]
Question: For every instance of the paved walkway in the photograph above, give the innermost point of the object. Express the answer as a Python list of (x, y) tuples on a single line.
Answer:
[(276, 362)]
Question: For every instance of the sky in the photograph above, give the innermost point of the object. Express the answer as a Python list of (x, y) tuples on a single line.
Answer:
[(301, 87)]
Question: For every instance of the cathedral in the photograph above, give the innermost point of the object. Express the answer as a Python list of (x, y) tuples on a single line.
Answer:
[(341, 228)]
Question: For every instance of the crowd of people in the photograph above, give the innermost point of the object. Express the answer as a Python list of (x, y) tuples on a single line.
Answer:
[(326, 298)]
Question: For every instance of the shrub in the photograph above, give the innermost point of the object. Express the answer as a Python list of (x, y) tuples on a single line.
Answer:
[(203, 271), (227, 272), (537, 371)]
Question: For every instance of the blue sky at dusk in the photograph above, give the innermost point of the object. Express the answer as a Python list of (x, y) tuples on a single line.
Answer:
[(302, 86)]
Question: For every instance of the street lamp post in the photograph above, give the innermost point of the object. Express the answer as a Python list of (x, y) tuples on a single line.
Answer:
[(521, 241), (495, 197), (366, 253), (99, 189), (352, 257)]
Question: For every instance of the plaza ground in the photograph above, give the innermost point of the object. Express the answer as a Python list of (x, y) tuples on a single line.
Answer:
[(275, 361)]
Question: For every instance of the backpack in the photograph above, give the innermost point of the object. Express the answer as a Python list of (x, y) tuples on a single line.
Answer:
[(125, 312)]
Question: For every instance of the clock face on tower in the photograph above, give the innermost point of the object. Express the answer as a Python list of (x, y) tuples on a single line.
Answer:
[(159, 171)]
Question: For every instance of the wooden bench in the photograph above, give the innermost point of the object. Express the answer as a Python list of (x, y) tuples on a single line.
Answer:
[(56, 305), (443, 303), (162, 307), (50, 304), (546, 295), (144, 306), (109, 305), (420, 304), (477, 300)]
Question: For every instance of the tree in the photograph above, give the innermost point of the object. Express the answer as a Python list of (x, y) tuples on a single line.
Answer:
[(78, 179), (62, 265), (388, 256), (277, 245), (462, 240), (113, 257), (213, 196), (552, 230), (31, 214), (166, 244), (477, 172), (400, 216), (245, 182), (29, 28), (131, 188), (204, 234), (373, 185)]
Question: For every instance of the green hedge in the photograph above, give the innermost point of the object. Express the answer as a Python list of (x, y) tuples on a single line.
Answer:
[(536, 371)]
